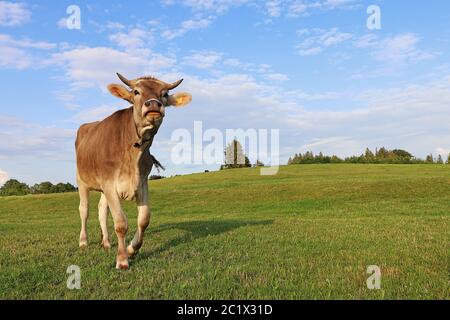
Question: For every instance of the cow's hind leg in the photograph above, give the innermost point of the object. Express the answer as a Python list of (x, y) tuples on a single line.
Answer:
[(121, 228), (143, 219), (103, 219), (84, 214)]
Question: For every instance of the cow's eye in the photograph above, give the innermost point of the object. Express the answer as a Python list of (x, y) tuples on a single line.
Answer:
[(136, 92), (166, 95)]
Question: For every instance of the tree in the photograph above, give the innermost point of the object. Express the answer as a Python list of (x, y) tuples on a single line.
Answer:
[(448, 159), (235, 156), (381, 155), (13, 187), (63, 187), (439, 160), (45, 187), (368, 155), (70, 187), (402, 153)]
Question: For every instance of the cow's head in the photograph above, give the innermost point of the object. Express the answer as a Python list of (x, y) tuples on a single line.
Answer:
[(149, 97)]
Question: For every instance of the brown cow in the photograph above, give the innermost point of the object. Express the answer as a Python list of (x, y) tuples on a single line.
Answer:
[(113, 157)]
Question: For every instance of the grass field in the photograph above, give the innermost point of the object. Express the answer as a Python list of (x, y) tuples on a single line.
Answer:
[(309, 232)]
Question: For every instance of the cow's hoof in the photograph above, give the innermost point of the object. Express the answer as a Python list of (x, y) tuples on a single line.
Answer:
[(83, 244), (131, 252), (106, 245), (122, 265)]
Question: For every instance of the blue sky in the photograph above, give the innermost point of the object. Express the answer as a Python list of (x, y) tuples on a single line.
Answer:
[(309, 68)]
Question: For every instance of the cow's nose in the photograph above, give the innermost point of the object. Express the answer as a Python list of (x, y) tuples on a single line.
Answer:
[(154, 103)]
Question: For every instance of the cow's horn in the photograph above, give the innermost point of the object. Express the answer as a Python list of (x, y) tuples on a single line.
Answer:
[(174, 85), (125, 80)]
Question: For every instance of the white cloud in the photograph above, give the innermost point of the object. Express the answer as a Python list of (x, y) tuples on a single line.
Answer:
[(22, 138), (309, 51), (94, 114), (402, 48), (3, 177), (68, 99), (217, 6), (331, 4), (25, 43), (233, 62), (273, 8), (205, 12), (14, 58), (13, 14), (296, 8), (88, 67), (135, 38), (276, 77), (318, 142), (230, 86), (187, 26), (115, 26), (444, 152), (203, 59), (62, 23), (15, 54), (318, 39)]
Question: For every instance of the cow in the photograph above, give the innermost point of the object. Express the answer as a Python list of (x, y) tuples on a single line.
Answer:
[(113, 157)]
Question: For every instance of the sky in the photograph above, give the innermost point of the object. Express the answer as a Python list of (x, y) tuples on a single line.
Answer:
[(311, 69)]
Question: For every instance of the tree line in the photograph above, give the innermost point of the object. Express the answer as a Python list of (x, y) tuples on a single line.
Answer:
[(14, 187), (381, 156)]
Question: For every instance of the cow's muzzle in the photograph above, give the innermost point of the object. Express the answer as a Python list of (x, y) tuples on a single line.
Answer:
[(152, 108), (151, 102)]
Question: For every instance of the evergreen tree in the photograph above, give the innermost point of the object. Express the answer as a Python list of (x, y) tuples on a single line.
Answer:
[(369, 156), (382, 153), (235, 156)]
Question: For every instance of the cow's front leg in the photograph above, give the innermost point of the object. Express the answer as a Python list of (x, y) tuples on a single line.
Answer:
[(143, 219), (121, 228)]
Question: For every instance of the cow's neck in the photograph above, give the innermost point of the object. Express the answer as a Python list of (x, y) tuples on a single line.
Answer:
[(138, 154), (144, 134)]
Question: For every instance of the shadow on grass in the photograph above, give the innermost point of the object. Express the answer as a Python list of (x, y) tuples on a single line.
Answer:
[(195, 230)]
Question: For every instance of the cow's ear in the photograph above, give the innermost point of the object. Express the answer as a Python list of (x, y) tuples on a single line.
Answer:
[(180, 99), (120, 91)]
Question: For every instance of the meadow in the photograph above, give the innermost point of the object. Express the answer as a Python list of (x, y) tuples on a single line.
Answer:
[(309, 232)]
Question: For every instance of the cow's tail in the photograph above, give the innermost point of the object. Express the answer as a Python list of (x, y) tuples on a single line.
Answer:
[(157, 164)]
